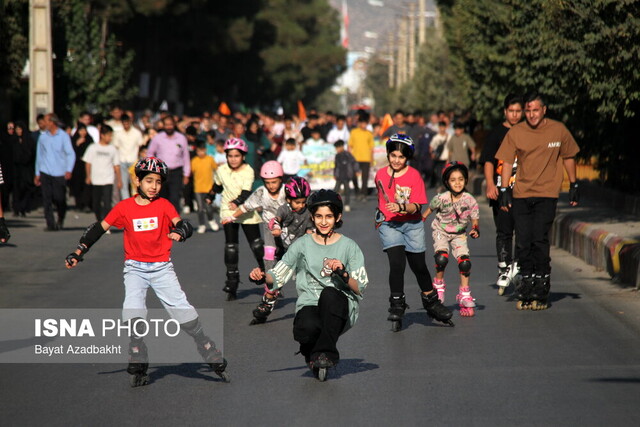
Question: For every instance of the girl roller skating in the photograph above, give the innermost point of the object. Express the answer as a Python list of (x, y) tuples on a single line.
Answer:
[(454, 209), (235, 180), (268, 199), (151, 225), (330, 278), (401, 195)]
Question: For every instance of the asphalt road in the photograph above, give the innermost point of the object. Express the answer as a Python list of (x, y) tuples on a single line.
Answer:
[(577, 363)]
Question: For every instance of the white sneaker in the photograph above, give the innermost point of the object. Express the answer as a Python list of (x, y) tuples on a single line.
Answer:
[(186, 210), (214, 225), (202, 229), (347, 208)]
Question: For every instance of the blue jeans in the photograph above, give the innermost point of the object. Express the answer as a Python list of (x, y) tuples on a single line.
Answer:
[(139, 276)]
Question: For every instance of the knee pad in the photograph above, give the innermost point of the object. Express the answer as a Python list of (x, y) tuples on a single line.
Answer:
[(464, 265), (231, 255), (269, 253), (257, 247), (442, 259)]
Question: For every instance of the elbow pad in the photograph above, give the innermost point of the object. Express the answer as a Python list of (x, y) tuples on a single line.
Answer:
[(244, 195), (90, 236), (184, 229), (217, 188)]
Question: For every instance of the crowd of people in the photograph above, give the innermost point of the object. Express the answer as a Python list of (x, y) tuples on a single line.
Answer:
[(244, 168)]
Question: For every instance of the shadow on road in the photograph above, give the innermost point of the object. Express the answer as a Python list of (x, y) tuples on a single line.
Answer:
[(616, 380), (187, 370), (345, 367)]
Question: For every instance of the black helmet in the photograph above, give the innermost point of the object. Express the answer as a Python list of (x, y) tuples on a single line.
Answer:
[(402, 142), (325, 197), (151, 165), (448, 170)]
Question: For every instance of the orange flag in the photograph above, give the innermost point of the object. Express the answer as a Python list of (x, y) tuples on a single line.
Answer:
[(387, 121), (302, 113), (224, 109)]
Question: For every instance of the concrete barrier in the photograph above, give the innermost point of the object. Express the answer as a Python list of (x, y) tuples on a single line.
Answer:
[(619, 256)]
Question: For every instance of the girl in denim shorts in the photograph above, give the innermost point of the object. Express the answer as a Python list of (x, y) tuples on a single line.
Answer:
[(401, 194)]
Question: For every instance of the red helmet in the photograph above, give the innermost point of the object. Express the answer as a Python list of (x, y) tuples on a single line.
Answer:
[(271, 169), (297, 187), (151, 165), (236, 144)]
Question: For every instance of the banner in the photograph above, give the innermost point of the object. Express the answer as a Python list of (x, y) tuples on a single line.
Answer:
[(100, 335), (321, 162)]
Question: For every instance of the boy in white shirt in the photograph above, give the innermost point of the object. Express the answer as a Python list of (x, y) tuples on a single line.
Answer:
[(291, 159), (103, 169)]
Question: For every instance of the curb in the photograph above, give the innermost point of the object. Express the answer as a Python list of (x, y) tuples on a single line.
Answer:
[(618, 255)]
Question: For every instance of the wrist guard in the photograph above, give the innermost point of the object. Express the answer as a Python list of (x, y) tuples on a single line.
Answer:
[(505, 198), (574, 195), (184, 229), (274, 224), (342, 274), (477, 230), (73, 256), (260, 282)]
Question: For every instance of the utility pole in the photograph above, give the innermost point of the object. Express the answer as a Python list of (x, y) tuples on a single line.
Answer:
[(402, 52), (392, 62), (422, 22), (412, 40), (40, 60)]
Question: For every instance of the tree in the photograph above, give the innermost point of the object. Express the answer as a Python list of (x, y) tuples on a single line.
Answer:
[(13, 52), (96, 70), (298, 43)]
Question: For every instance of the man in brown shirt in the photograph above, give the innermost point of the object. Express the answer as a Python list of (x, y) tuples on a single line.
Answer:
[(543, 147)]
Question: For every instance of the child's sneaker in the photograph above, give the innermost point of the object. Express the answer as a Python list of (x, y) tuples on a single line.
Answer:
[(214, 225), (202, 229)]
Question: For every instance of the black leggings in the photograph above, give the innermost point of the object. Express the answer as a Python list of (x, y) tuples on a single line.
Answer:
[(317, 328), (398, 258)]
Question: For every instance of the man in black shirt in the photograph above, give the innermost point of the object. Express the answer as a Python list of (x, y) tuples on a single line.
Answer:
[(492, 168)]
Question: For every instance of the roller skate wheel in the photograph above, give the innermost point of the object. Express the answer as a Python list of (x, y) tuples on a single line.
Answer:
[(257, 322), (138, 380), (396, 325), (231, 297), (467, 312), (225, 377), (322, 374), (538, 305), (501, 290), (522, 305)]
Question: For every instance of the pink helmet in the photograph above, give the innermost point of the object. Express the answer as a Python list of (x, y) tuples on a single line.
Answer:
[(236, 144), (297, 187), (271, 169)]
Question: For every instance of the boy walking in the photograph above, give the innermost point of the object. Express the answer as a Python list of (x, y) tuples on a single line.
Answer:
[(345, 170), (103, 169), (202, 168)]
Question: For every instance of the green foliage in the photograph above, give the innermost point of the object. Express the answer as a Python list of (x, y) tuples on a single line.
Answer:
[(97, 70), (13, 44), (582, 55), (298, 44)]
